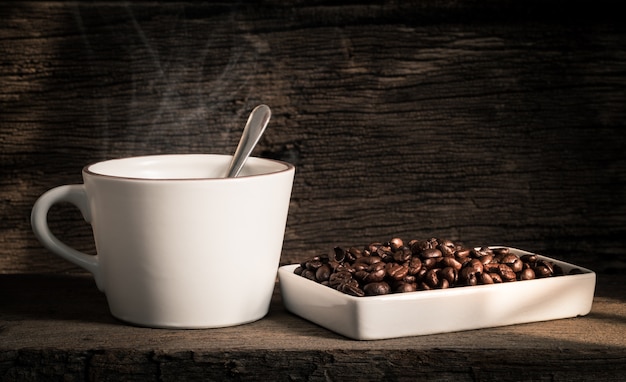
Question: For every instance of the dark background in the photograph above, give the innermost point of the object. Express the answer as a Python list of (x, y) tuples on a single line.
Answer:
[(485, 122)]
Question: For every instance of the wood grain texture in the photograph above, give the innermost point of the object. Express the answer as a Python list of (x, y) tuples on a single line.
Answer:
[(484, 122), (58, 327)]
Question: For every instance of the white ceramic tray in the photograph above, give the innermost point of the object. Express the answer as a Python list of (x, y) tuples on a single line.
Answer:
[(442, 310)]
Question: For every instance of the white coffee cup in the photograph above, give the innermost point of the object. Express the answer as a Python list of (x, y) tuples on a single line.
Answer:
[(178, 246)]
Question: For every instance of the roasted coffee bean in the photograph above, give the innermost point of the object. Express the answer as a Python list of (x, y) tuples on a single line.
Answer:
[(508, 258), (417, 246), (385, 255), (475, 265), (451, 262), (377, 289), (476, 253), (496, 278), (444, 284), (314, 263), (471, 279), (369, 260), (402, 254), (513, 261), (351, 289), (365, 262), (409, 279), (431, 253), (542, 271), (547, 264), (449, 274), (464, 260), (338, 278), (527, 274), (415, 264), (421, 273), (517, 265), (467, 276), (446, 247), (375, 273), (360, 266), (361, 274), (433, 242), (345, 267), (340, 254), (355, 252), (322, 273), (349, 256), (396, 243), (431, 278), (491, 267), (403, 287), (506, 273), (430, 262), (308, 274), (334, 265), (373, 247), (486, 259), (396, 271), (500, 251), (393, 267), (423, 286), (462, 253), (485, 278), (342, 266)]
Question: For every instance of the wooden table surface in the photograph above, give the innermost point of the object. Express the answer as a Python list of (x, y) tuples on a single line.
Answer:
[(58, 327)]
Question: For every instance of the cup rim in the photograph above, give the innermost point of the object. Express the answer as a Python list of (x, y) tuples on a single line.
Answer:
[(87, 168)]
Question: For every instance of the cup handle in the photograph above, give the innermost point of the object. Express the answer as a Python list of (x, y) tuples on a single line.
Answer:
[(76, 195)]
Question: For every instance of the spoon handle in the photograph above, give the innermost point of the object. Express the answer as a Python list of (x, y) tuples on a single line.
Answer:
[(252, 132)]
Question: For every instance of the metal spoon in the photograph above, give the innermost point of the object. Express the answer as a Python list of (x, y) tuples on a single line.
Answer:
[(257, 122)]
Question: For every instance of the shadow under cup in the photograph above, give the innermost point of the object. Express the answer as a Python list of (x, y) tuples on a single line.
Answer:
[(178, 246)]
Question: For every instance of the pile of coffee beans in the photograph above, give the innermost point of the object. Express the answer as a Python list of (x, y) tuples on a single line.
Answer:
[(396, 267)]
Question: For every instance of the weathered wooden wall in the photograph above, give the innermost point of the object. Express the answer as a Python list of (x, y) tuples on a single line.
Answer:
[(489, 122)]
